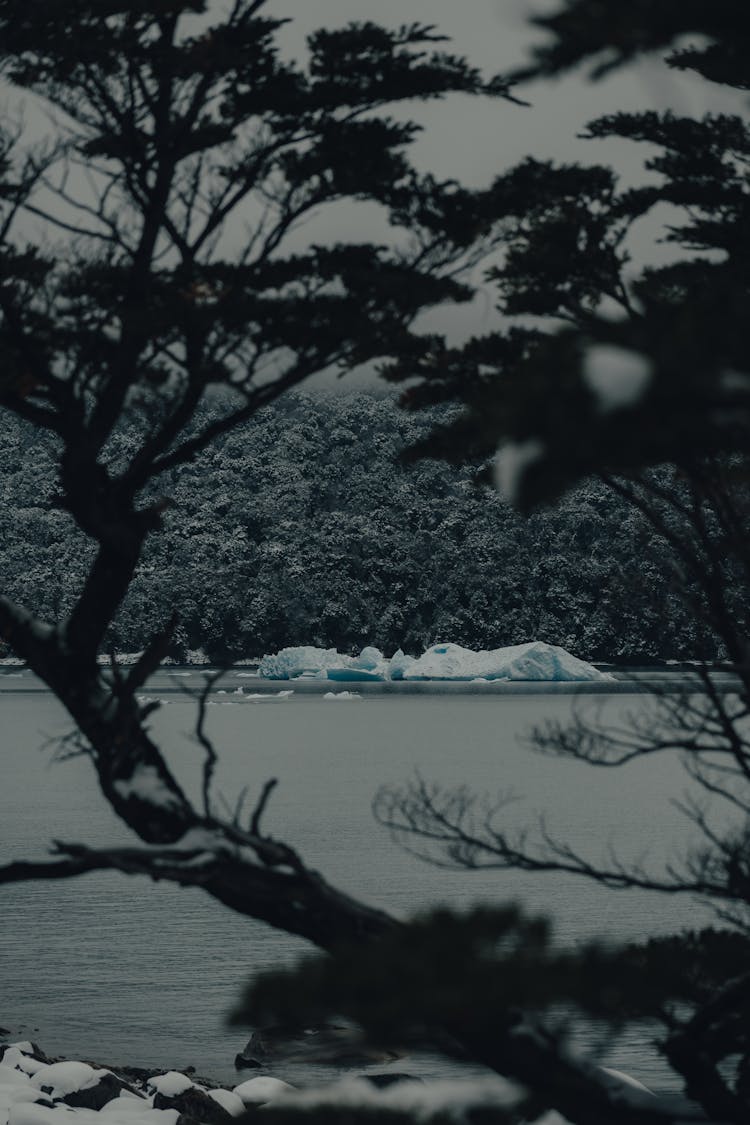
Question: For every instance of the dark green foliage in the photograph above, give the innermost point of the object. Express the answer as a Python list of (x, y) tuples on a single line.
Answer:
[(482, 969), (609, 35), (420, 976), (302, 528)]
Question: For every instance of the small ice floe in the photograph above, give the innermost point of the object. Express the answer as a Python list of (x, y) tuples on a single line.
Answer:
[(342, 695), (264, 1088), (266, 696)]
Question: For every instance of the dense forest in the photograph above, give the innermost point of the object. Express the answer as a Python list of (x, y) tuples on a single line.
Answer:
[(302, 527)]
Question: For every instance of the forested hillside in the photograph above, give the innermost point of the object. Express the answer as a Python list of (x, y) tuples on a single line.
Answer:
[(302, 528)]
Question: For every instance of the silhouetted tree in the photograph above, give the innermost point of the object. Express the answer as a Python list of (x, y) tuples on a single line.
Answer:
[(176, 129), (183, 152), (628, 368)]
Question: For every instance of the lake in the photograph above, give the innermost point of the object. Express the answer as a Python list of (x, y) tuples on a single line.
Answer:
[(123, 971)]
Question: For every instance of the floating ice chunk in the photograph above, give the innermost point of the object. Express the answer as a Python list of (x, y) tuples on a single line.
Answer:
[(171, 1083), (264, 1088), (369, 665), (290, 663), (398, 664), (232, 1103), (342, 695), (535, 660), (266, 696), (357, 674), (369, 659)]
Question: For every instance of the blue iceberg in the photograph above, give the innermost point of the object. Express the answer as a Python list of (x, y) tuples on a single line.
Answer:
[(534, 660)]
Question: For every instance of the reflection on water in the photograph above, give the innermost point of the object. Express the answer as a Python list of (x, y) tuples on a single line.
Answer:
[(117, 969)]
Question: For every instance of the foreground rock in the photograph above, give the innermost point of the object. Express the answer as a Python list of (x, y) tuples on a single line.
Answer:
[(36, 1090)]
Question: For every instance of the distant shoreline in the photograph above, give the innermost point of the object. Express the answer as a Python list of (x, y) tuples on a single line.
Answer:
[(242, 682)]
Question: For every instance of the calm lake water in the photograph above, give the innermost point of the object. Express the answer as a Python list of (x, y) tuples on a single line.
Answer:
[(120, 970)]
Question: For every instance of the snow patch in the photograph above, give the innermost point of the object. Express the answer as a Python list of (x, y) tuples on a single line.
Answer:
[(171, 1083), (264, 1088), (14, 1056), (66, 1077), (146, 785), (232, 1103), (9, 1076)]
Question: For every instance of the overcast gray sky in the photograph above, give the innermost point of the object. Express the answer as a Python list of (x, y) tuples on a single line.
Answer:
[(474, 139)]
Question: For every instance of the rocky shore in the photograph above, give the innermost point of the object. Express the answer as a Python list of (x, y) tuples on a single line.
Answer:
[(38, 1090)]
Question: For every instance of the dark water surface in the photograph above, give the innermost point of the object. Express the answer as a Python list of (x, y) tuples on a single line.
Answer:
[(120, 970)]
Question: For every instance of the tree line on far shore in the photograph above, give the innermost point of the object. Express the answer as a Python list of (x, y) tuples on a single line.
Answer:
[(302, 527)]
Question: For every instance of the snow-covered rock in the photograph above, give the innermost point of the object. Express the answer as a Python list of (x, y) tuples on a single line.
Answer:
[(171, 1083), (194, 1104), (228, 1100), (65, 1078), (9, 1076), (264, 1088), (126, 1106), (14, 1056)]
